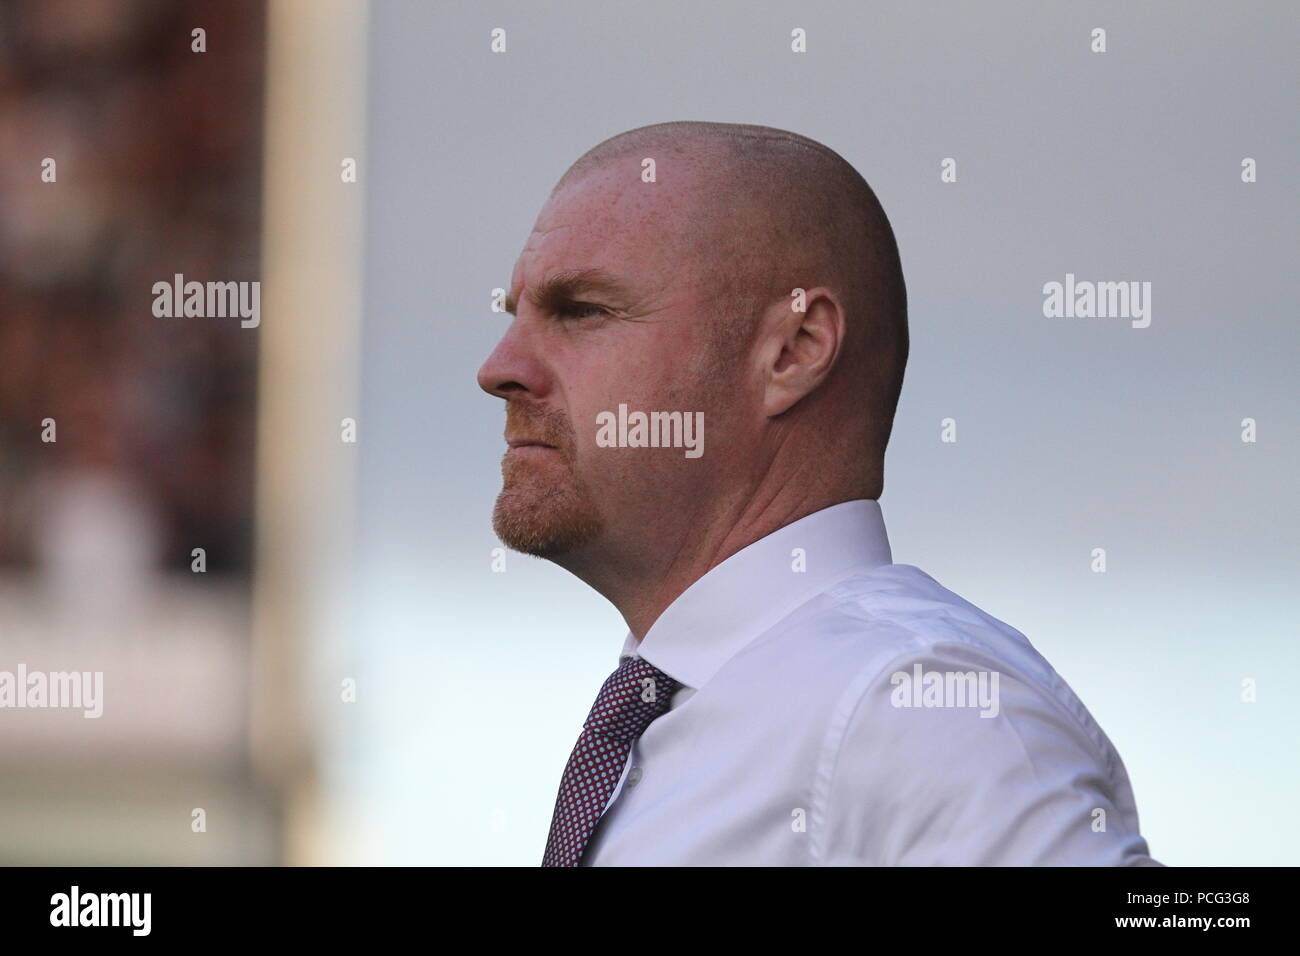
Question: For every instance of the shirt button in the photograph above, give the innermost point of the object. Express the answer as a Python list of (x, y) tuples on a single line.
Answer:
[(634, 776)]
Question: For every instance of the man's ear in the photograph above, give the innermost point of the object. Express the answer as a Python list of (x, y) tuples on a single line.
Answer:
[(800, 348)]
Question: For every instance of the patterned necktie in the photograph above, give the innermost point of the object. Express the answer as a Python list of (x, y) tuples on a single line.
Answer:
[(630, 699)]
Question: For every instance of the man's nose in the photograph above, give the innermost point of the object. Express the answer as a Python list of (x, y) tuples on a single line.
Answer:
[(513, 366)]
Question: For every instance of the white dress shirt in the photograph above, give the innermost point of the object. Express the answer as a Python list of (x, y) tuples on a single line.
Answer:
[(810, 731)]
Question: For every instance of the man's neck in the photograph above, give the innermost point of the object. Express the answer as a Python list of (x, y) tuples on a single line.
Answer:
[(641, 583)]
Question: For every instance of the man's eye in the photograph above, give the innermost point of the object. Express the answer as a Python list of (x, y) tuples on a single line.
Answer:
[(581, 310)]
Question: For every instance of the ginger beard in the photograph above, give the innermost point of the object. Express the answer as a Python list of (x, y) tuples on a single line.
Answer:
[(544, 508)]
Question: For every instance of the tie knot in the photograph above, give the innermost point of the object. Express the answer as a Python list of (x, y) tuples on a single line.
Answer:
[(631, 697)]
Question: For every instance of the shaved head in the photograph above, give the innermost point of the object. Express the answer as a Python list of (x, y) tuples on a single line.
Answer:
[(773, 211)]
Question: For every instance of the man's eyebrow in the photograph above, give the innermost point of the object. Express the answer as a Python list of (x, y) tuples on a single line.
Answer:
[(562, 287)]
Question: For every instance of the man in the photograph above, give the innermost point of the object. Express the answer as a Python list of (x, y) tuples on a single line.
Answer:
[(786, 695)]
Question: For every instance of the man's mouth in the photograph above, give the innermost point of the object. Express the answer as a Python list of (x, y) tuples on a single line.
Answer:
[(527, 443)]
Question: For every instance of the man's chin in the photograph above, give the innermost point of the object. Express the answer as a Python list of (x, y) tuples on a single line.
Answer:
[(543, 525)]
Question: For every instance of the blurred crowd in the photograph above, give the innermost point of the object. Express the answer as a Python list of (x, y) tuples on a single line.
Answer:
[(156, 171)]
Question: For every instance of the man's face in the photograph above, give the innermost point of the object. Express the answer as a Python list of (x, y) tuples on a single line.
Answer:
[(613, 305)]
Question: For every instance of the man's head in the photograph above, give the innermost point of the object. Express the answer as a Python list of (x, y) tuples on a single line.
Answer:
[(678, 295)]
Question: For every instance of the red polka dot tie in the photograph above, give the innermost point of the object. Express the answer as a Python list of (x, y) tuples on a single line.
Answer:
[(630, 699)]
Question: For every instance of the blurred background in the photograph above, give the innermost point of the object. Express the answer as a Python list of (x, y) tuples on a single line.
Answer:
[(345, 674), (157, 154)]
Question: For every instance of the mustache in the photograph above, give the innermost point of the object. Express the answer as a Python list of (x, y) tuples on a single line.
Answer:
[(540, 424)]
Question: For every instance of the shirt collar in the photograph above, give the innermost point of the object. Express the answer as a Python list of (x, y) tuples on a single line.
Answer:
[(758, 586)]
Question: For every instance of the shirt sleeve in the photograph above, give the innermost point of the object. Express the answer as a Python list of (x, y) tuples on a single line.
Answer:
[(1012, 778)]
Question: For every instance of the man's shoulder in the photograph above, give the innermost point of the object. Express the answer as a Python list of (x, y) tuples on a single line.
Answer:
[(889, 628), (896, 610), (940, 716)]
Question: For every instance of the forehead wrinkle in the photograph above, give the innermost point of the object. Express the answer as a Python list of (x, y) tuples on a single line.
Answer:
[(547, 232)]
